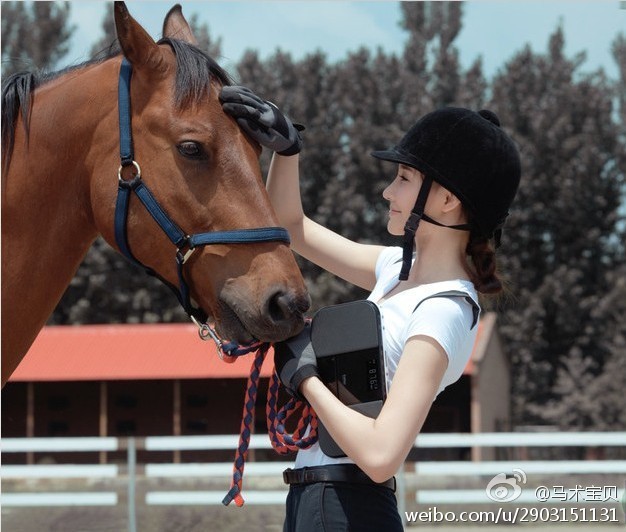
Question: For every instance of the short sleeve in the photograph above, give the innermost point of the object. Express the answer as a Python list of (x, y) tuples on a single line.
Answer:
[(387, 257), (448, 320)]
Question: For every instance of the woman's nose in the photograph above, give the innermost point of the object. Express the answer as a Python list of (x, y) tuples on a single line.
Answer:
[(387, 193)]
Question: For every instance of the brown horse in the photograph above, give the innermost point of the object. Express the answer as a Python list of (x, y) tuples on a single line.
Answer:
[(60, 159)]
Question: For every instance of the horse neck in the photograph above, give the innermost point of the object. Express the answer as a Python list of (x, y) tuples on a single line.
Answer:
[(47, 220)]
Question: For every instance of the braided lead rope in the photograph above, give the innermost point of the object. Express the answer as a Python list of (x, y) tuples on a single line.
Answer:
[(247, 421), (282, 442)]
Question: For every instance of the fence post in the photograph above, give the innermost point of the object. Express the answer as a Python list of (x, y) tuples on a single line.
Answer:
[(132, 466)]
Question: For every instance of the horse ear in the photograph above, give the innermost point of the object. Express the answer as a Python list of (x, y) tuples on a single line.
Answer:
[(137, 45), (175, 26)]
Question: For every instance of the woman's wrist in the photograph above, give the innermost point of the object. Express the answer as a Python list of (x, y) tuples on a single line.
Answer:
[(309, 385)]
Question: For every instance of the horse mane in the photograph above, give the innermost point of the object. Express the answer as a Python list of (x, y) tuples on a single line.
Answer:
[(16, 93), (194, 71)]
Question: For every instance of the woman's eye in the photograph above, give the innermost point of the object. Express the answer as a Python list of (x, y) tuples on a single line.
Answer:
[(191, 150)]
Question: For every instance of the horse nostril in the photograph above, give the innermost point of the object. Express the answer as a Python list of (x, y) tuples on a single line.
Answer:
[(283, 306), (278, 307)]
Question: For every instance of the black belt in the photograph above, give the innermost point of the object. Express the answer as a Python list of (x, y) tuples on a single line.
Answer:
[(333, 473)]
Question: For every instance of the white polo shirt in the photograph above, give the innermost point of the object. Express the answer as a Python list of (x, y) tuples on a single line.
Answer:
[(448, 320)]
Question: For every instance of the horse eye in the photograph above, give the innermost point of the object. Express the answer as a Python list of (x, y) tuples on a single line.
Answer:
[(191, 150)]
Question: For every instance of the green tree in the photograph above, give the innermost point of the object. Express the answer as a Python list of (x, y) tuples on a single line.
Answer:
[(35, 35), (583, 396), (559, 251), (619, 54)]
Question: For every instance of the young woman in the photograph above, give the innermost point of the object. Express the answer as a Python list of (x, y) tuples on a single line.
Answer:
[(458, 171)]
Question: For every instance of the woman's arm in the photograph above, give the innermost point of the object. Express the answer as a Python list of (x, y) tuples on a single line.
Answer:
[(349, 260), (380, 446), (265, 123)]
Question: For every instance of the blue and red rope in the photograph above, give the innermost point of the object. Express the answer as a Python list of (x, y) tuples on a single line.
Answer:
[(282, 442)]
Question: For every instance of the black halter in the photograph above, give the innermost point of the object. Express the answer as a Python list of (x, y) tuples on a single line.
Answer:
[(185, 244)]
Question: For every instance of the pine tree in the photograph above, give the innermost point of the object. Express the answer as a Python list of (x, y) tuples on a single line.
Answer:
[(35, 35), (558, 248)]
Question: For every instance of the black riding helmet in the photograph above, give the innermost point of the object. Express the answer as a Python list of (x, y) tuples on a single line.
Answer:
[(470, 155)]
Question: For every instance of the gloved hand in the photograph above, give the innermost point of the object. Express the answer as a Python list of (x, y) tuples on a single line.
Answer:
[(295, 361), (262, 120)]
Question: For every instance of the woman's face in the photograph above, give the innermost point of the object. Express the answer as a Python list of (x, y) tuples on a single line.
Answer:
[(401, 195)]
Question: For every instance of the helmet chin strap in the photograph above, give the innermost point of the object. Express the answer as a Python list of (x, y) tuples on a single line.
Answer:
[(411, 226), (458, 227), (417, 214)]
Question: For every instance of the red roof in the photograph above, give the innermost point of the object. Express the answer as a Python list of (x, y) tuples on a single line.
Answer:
[(145, 351), (120, 352)]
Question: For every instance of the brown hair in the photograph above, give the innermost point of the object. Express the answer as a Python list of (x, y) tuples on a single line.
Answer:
[(482, 266)]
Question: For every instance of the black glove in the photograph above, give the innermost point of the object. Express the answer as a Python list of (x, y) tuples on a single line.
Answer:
[(295, 361), (262, 120)]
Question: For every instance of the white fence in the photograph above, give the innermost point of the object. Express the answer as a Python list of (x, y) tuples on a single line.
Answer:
[(409, 480)]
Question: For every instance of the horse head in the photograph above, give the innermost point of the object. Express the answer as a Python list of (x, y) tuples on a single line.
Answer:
[(188, 202), (204, 173)]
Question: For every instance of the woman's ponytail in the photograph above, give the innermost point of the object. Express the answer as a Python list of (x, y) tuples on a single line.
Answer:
[(483, 271)]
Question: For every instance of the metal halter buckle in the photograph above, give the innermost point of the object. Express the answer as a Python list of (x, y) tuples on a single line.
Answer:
[(181, 256), (205, 332)]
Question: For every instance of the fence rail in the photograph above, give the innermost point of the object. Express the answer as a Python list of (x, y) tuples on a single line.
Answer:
[(410, 478), (261, 441), (59, 471), (62, 445)]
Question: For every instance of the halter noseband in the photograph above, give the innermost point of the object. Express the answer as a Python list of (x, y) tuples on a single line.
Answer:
[(185, 244)]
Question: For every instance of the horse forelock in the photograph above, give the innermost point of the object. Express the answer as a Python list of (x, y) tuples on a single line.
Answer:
[(194, 71)]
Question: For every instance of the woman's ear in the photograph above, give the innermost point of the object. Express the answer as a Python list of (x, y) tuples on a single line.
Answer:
[(450, 202)]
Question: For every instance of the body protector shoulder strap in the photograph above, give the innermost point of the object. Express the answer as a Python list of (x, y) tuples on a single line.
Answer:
[(456, 293)]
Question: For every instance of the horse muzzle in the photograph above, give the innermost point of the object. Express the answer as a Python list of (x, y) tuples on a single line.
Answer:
[(279, 315)]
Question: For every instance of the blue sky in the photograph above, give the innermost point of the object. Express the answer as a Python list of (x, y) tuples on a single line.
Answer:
[(492, 29)]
